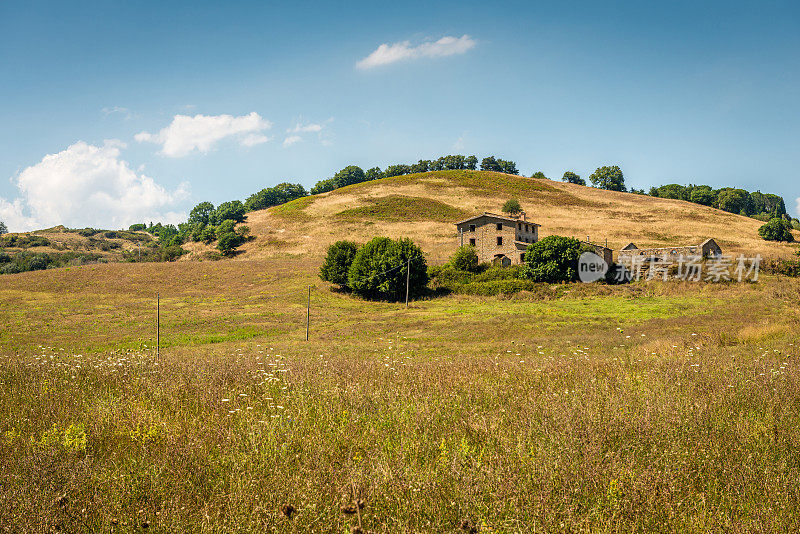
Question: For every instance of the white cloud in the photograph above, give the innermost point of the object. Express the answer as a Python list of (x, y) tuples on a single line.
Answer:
[(386, 53), (311, 127), (255, 139), (186, 134), (87, 185), (306, 128), (292, 139), (125, 112), (798, 205)]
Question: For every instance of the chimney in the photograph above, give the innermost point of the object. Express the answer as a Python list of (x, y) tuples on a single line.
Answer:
[(522, 216)]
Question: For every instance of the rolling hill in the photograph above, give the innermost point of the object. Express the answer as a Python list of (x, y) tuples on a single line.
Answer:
[(424, 206)]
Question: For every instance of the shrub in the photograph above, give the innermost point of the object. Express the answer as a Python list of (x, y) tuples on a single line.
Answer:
[(573, 178), (227, 243), (552, 259), (379, 269), (87, 232), (465, 259), (777, 230), (337, 262), (512, 207), (208, 234), (497, 287)]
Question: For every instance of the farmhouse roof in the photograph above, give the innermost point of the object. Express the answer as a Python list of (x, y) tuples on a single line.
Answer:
[(630, 246), (496, 216)]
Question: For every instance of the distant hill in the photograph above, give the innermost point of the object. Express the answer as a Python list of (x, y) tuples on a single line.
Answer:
[(108, 245), (424, 207)]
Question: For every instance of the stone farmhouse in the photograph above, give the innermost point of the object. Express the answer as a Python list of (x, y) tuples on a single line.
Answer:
[(498, 239), (707, 249)]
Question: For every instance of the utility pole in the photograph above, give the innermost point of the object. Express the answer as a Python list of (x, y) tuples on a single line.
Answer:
[(158, 324), (408, 279), (308, 312), (462, 237)]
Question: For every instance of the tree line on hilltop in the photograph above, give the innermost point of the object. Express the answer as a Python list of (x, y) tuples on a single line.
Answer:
[(758, 205)]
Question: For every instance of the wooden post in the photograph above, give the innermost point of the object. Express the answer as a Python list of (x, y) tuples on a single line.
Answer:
[(158, 324), (462, 237), (408, 279), (308, 312)]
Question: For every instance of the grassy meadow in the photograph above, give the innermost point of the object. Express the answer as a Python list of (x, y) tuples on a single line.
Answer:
[(578, 408)]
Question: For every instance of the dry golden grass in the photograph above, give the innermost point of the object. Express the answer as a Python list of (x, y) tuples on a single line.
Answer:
[(561, 208)]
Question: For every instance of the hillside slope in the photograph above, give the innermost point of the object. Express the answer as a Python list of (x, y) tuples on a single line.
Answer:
[(106, 244), (424, 207)]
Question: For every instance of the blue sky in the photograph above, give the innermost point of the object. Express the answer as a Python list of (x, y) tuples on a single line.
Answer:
[(117, 112)]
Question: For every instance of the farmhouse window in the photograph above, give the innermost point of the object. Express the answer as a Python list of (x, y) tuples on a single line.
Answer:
[(472, 241), (471, 227), (499, 240), (499, 226)]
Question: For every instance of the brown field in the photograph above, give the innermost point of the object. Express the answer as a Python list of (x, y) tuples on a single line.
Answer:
[(657, 406)]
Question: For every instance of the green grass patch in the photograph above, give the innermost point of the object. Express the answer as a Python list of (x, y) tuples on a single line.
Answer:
[(395, 208), (294, 209)]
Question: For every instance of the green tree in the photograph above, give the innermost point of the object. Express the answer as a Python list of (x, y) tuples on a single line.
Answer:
[(512, 206), (233, 210), (397, 170), (573, 178), (777, 230), (138, 227), (337, 262), (465, 258), (379, 269), (608, 177), (674, 191), (375, 173), (734, 200), (508, 167), (225, 227), (201, 213), (552, 259), (286, 192), (3, 228), (454, 162), (352, 174), (227, 243), (490, 164), (422, 165), (437, 164), (471, 163), (208, 235), (323, 186), (703, 194)]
